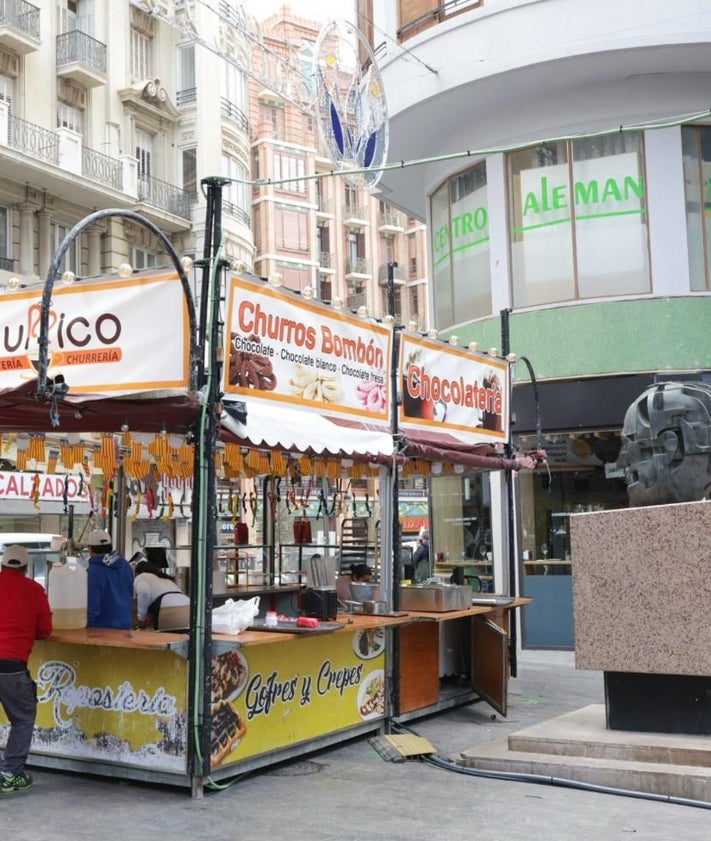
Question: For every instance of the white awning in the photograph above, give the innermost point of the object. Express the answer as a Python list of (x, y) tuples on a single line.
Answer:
[(276, 427)]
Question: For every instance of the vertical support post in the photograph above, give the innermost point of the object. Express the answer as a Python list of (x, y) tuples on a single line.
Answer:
[(395, 490), (204, 496), (510, 510)]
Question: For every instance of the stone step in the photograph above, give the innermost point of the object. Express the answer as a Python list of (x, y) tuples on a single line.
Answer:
[(583, 733), (567, 756)]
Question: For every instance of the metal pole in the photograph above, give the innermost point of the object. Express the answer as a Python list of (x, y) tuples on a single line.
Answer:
[(395, 471), (510, 519), (204, 508)]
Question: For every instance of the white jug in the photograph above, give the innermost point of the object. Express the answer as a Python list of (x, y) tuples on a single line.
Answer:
[(68, 595)]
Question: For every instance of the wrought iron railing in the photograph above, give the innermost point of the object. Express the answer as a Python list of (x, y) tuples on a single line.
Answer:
[(398, 273), (326, 260), (165, 196), (21, 16), (102, 168), (355, 211), (324, 204), (78, 46), (390, 218), (358, 299), (186, 97), (238, 212), (440, 11), (357, 265), (6, 264), (33, 140), (229, 109)]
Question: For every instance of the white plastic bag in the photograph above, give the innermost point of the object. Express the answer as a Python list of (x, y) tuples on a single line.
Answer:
[(232, 617)]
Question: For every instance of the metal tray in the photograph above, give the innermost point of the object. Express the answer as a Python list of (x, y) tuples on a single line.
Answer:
[(491, 598), (292, 628)]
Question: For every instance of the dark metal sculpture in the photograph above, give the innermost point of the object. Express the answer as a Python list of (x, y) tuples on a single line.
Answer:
[(666, 444)]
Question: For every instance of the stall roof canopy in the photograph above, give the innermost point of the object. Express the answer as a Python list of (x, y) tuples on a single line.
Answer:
[(277, 427), (274, 427), (155, 412)]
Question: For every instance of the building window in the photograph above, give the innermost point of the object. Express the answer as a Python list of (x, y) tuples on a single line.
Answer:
[(188, 169), (296, 275), (274, 119), (144, 154), (7, 91), (141, 54), (70, 118), (460, 248), (696, 145), (72, 258), (288, 167), (236, 192), (578, 220), (232, 86), (143, 259), (291, 228), (5, 240), (186, 74)]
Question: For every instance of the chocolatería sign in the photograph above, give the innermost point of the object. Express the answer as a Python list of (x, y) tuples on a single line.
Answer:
[(104, 336), (284, 348), (452, 390)]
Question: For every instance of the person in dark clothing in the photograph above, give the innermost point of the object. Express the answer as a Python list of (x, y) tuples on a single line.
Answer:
[(110, 585), (25, 616), (421, 555), (361, 572)]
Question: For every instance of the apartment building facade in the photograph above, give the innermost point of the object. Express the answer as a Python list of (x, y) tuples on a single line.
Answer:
[(99, 108)]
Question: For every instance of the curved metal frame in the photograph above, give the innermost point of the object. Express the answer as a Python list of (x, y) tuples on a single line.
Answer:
[(41, 392)]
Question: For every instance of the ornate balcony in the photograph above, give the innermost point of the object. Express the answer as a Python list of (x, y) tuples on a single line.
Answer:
[(357, 269), (164, 196), (326, 261), (101, 168), (33, 140), (81, 58), (390, 223), (398, 275), (355, 215), (19, 26)]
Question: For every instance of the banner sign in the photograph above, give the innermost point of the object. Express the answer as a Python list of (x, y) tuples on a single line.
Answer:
[(267, 697), (452, 390), (117, 336), (281, 347), (126, 709), (46, 487)]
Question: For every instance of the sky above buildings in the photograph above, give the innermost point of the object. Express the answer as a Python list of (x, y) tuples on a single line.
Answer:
[(320, 10)]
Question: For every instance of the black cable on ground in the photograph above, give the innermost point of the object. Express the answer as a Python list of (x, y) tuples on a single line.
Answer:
[(562, 782)]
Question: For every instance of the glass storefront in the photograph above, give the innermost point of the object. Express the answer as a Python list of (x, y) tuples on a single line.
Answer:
[(696, 148), (460, 248), (582, 476), (578, 220)]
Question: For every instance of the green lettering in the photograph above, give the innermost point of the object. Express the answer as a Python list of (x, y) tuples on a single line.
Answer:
[(544, 194), (586, 194), (455, 225), (634, 185), (530, 204), (467, 223), (611, 190), (559, 198)]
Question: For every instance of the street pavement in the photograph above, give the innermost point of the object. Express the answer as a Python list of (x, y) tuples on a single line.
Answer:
[(350, 793)]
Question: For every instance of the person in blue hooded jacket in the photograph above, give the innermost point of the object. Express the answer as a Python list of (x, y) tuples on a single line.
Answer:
[(110, 584)]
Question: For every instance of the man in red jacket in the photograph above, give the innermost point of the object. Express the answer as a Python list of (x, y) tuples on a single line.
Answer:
[(24, 617)]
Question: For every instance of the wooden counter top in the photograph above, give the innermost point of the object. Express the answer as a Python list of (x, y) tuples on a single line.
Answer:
[(351, 622), (117, 638)]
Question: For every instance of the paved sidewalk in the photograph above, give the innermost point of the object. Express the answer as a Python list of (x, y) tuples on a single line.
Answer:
[(349, 792)]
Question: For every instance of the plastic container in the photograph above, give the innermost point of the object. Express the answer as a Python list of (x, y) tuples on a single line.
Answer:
[(67, 592)]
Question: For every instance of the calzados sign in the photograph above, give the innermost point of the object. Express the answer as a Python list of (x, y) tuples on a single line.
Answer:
[(97, 335), (280, 347)]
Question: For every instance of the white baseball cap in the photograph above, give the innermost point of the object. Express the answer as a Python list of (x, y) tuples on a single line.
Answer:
[(99, 537), (15, 557)]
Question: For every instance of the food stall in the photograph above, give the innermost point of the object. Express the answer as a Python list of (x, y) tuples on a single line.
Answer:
[(288, 412)]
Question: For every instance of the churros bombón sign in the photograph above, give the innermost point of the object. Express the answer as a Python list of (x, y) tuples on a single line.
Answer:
[(284, 348)]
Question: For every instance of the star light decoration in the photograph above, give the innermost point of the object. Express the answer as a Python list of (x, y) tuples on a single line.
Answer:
[(350, 105)]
